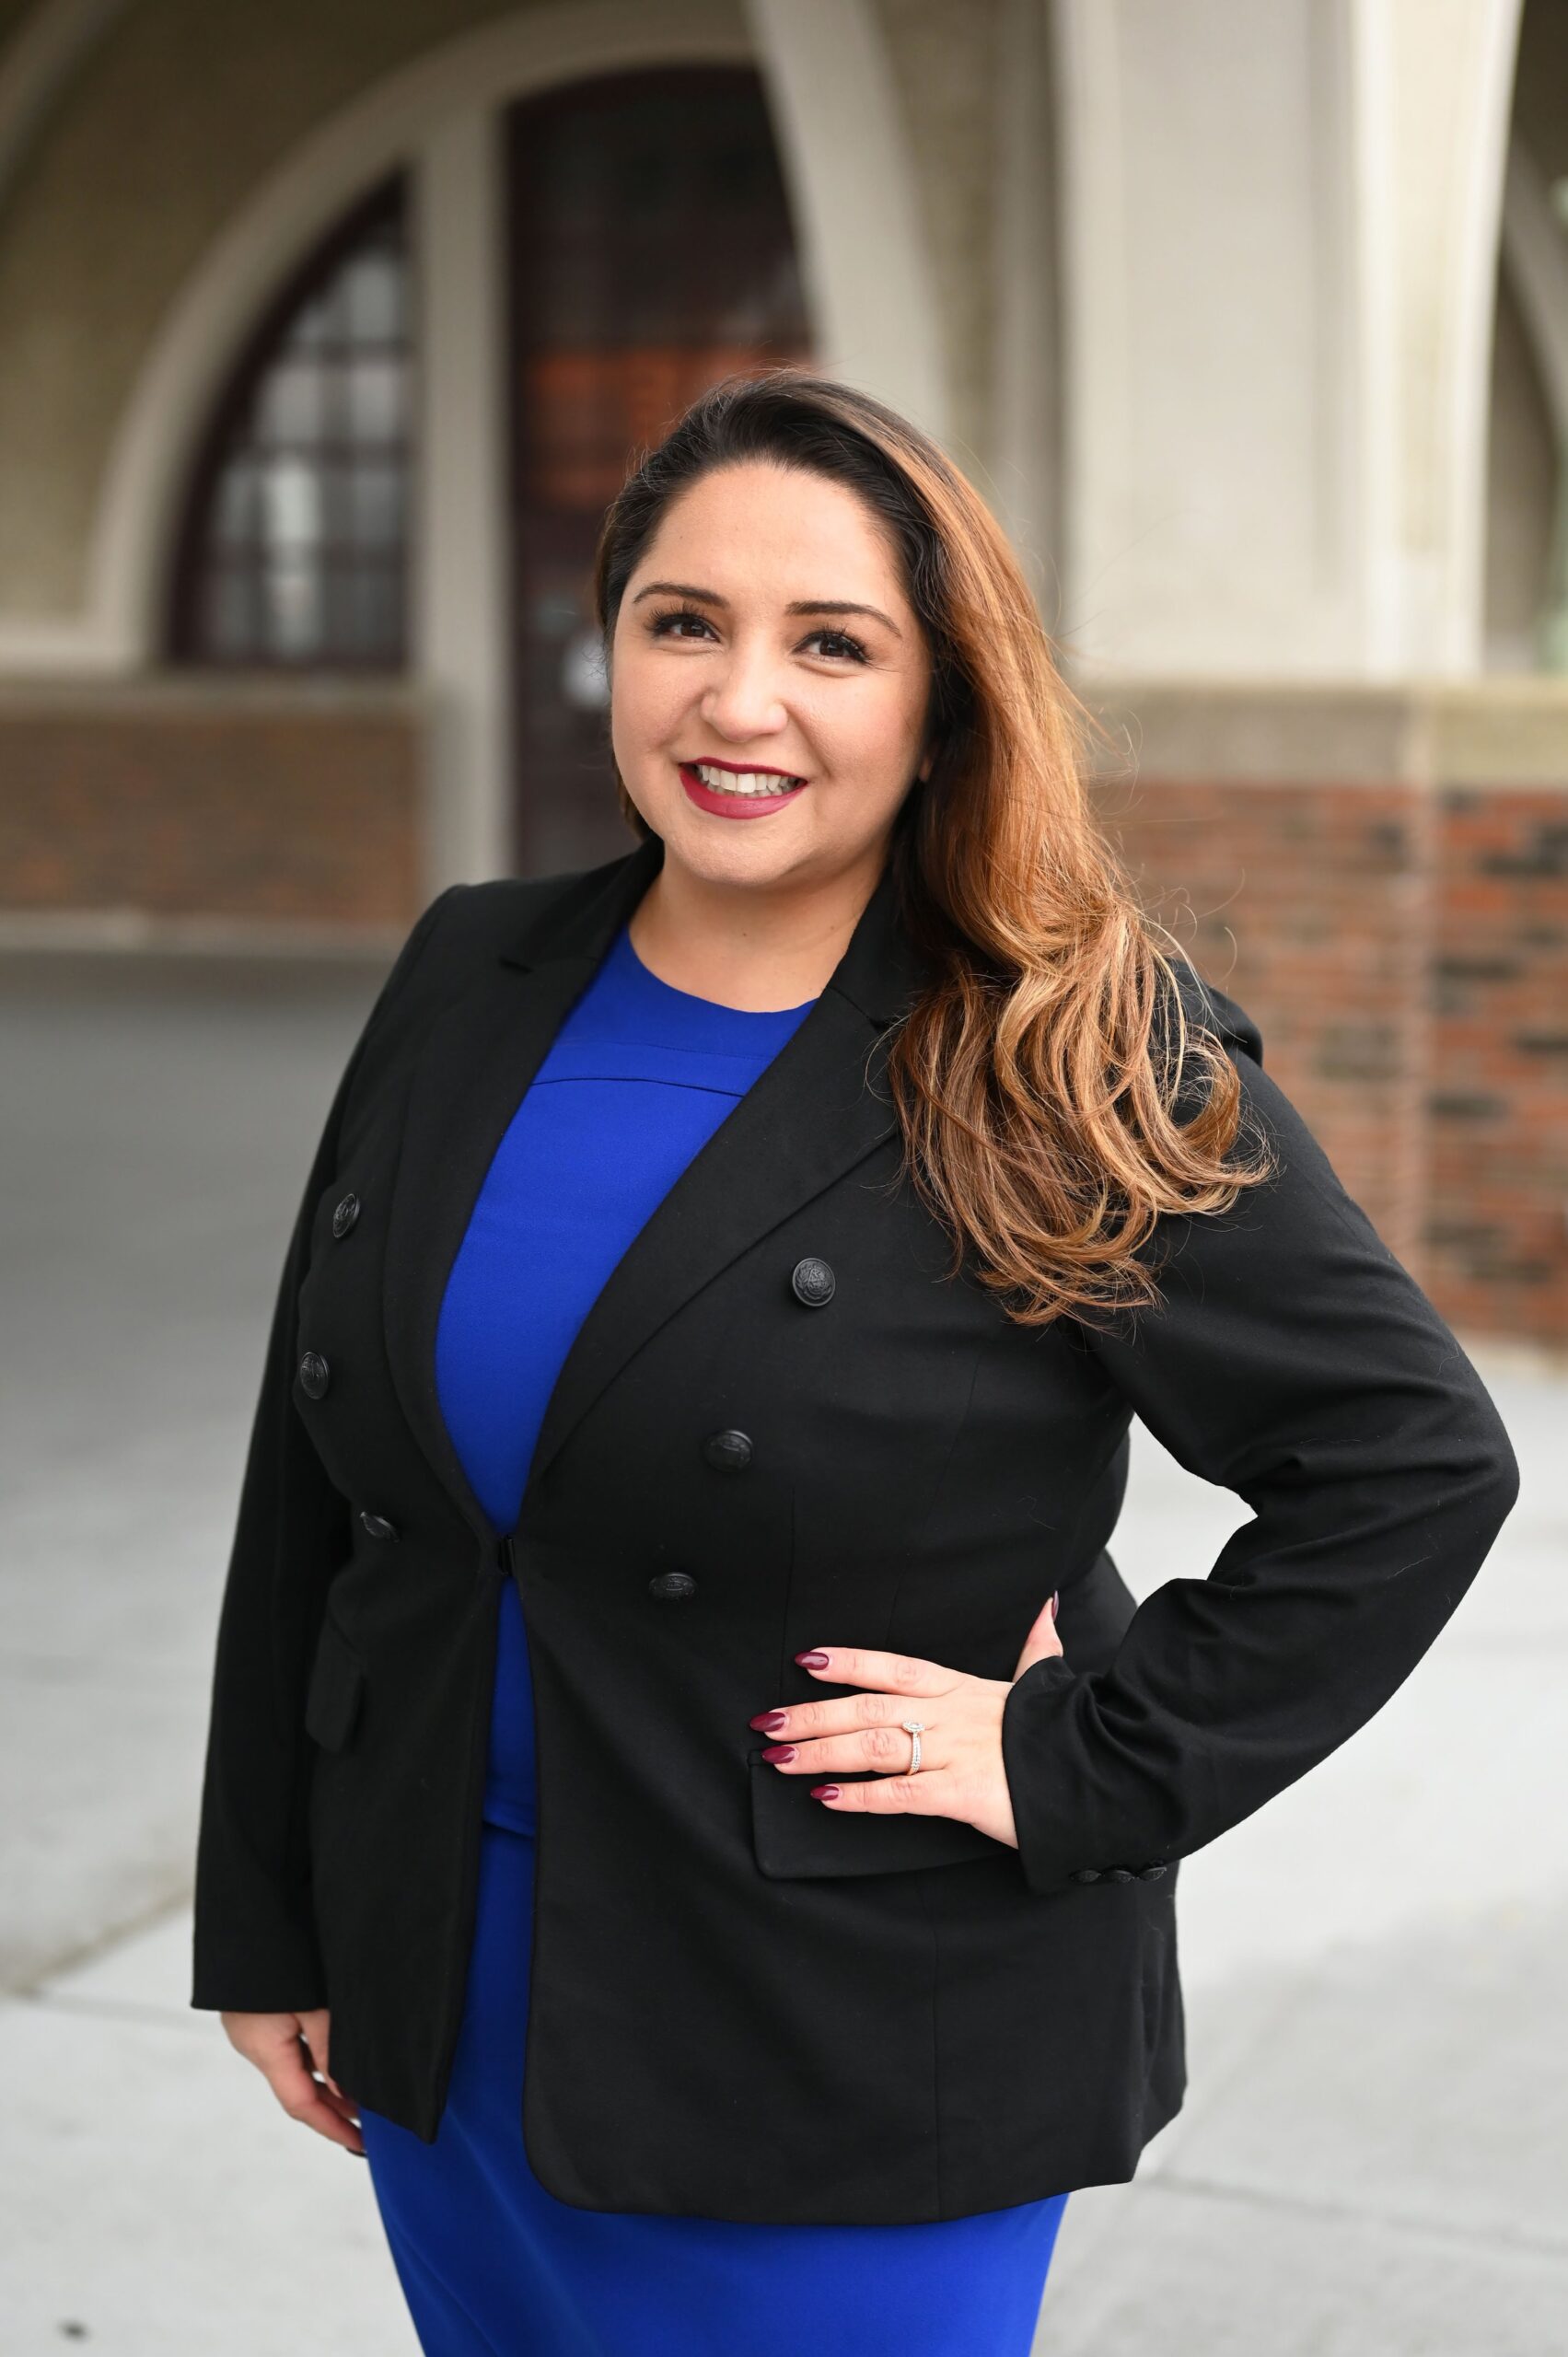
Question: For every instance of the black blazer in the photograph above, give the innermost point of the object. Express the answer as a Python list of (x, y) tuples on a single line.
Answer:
[(743, 2005)]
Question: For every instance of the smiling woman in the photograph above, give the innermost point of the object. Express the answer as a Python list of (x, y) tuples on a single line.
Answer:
[(682, 1757), (738, 694)]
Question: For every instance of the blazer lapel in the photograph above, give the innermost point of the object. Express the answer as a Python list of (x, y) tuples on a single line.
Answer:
[(814, 1112)]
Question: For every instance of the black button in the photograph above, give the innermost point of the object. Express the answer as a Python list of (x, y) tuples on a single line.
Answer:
[(672, 1587), (1119, 1873), (812, 1282), (346, 1213), (377, 1527), (1086, 1874), (1150, 1874), (314, 1375), (731, 1452)]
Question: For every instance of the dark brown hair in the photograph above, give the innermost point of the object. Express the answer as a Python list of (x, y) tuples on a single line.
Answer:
[(1040, 1078)]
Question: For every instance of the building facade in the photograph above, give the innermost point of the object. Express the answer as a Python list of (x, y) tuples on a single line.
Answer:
[(327, 330)]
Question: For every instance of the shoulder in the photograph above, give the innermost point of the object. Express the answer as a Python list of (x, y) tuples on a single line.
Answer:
[(1209, 1009), (456, 942), (469, 926)]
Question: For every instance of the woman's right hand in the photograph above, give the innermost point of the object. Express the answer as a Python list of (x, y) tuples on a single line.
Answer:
[(283, 2047)]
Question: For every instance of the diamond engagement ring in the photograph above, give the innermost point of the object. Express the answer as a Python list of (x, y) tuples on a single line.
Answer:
[(916, 1728)]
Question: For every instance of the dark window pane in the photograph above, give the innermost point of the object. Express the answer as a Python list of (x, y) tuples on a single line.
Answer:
[(290, 409), (374, 401), (376, 506), (237, 505), (373, 298), (232, 613)]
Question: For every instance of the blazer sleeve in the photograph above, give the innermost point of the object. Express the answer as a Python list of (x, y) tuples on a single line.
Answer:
[(254, 1942), (1296, 1362)]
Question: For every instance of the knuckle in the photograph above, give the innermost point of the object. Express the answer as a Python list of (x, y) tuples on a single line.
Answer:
[(880, 1743), (908, 1669)]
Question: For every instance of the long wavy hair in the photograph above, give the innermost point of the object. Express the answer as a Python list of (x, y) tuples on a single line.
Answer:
[(1040, 1079)]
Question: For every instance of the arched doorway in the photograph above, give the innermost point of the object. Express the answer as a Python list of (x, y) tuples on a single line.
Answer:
[(651, 252)]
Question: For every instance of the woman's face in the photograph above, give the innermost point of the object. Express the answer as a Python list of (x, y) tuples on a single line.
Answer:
[(709, 665)]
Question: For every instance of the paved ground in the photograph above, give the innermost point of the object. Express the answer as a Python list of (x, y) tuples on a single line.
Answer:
[(1370, 2164)]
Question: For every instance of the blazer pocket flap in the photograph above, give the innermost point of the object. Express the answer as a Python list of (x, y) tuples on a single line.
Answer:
[(793, 1834), (337, 1683)]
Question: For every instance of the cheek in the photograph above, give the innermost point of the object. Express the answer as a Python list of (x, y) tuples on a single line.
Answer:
[(646, 704), (876, 744)]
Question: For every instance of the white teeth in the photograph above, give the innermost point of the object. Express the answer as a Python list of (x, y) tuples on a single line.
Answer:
[(742, 780)]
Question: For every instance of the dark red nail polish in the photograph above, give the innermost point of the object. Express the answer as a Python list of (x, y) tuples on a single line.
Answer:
[(824, 1791), (768, 1719), (812, 1661), (778, 1752)]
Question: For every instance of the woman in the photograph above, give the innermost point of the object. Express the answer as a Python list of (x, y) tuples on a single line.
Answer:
[(688, 1793)]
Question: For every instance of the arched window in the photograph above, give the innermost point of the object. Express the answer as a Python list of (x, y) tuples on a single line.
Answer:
[(294, 548)]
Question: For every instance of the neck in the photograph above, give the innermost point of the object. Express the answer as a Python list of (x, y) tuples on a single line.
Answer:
[(753, 946)]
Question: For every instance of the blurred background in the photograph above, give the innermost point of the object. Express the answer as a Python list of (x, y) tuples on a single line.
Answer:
[(327, 331)]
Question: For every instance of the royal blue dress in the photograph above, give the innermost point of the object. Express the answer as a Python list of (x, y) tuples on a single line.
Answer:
[(637, 1079)]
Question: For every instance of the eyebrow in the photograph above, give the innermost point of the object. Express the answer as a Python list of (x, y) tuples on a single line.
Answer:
[(798, 606)]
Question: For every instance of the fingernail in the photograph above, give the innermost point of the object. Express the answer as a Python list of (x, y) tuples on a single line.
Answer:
[(812, 1661), (824, 1791), (768, 1719), (1054, 1601), (353, 2154), (778, 1752)]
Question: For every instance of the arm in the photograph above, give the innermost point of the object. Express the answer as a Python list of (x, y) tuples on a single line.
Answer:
[(1293, 1361), (255, 1947)]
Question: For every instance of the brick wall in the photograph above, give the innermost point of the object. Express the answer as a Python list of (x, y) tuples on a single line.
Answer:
[(1311, 905), (264, 807), (1498, 1218), (1399, 932), (1378, 875)]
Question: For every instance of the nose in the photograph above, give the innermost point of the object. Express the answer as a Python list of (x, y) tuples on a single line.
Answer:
[(743, 705)]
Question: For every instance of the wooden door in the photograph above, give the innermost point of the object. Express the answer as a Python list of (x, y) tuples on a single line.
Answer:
[(652, 253)]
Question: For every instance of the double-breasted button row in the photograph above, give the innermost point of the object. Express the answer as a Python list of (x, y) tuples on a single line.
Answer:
[(1151, 1872), (315, 1374)]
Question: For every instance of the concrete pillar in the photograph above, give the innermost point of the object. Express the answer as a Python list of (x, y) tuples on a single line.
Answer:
[(461, 563)]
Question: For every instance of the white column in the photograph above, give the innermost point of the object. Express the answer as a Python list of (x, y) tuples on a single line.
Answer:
[(1026, 428), (461, 559), (1434, 81), (844, 153), (1209, 321)]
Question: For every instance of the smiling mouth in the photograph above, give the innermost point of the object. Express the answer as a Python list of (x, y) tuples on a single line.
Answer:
[(744, 784)]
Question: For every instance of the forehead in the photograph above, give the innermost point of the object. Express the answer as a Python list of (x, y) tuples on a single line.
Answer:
[(788, 530)]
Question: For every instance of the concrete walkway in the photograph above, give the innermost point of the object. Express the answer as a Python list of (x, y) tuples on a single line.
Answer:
[(1369, 2161)]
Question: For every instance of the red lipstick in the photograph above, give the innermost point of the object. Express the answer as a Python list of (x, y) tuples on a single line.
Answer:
[(733, 805)]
